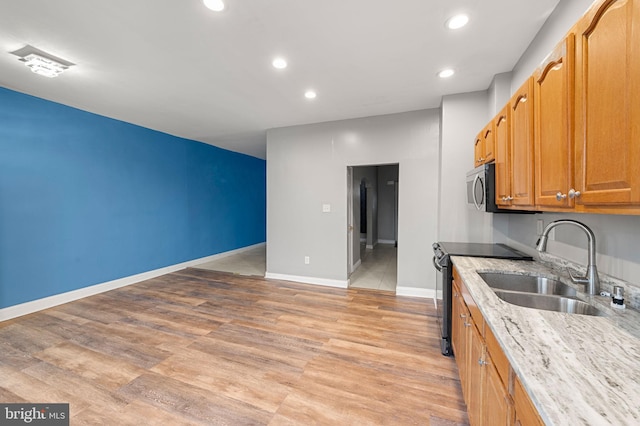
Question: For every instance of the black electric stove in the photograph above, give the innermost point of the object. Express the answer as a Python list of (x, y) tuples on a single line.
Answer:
[(444, 276)]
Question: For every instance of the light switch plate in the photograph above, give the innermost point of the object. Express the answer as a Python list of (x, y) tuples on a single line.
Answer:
[(326, 208)]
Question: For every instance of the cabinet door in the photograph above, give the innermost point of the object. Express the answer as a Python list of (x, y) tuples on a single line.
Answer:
[(488, 142), (503, 157), (553, 118), (522, 145), (475, 374), (459, 328), (497, 408), (608, 105), (478, 150), (525, 412)]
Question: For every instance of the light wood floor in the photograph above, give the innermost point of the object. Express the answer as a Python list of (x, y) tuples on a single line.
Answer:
[(203, 347)]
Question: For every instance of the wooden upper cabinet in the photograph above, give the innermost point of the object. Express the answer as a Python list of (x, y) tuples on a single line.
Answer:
[(488, 142), (478, 150), (521, 105), (484, 146), (553, 118), (607, 154), (503, 156)]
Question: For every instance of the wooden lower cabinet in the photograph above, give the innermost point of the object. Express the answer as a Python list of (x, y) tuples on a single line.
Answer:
[(496, 400), (485, 374), (525, 413), (476, 377)]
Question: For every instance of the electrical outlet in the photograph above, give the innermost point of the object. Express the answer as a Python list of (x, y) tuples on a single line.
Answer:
[(307, 260)]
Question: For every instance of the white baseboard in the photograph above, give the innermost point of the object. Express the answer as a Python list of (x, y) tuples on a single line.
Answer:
[(308, 280), (356, 265), (416, 292), (386, 241), (59, 299), (223, 254), (370, 246)]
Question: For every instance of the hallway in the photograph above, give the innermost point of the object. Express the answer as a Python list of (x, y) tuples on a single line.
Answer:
[(378, 270)]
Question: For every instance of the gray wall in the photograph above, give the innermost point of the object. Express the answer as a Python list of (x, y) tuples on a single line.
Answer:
[(617, 236), (499, 92), (567, 13), (387, 202), (307, 167), (462, 117)]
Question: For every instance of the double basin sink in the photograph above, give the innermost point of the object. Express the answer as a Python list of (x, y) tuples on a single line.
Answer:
[(538, 293)]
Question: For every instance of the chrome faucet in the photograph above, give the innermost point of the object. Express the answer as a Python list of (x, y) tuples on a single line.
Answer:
[(591, 279)]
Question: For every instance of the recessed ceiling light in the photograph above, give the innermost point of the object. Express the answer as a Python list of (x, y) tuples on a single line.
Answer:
[(310, 94), (279, 63), (215, 5), (43, 66), (446, 73), (457, 21), (41, 62)]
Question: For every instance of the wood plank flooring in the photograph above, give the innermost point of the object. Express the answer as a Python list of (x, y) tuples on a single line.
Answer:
[(212, 348)]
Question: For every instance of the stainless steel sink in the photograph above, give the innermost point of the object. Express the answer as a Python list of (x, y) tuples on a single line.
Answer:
[(527, 283), (548, 303)]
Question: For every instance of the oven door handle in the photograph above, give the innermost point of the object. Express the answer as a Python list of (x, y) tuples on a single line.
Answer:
[(438, 267)]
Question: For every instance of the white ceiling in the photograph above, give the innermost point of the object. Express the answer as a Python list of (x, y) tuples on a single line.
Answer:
[(177, 67)]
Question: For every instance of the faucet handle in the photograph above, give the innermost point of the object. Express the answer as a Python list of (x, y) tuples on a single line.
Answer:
[(578, 279)]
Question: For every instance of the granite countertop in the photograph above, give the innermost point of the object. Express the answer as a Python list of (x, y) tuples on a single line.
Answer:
[(577, 369)]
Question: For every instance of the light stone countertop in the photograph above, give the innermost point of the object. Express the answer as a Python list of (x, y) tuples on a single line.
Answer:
[(577, 369)]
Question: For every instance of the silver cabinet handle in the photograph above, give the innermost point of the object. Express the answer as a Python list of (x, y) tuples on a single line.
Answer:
[(573, 193), (466, 324), (509, 198), (463, 316), (482, 362), (560, 196)]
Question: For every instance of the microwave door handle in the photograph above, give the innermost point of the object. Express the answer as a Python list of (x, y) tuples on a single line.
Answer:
[(438, 267), (475, 183)]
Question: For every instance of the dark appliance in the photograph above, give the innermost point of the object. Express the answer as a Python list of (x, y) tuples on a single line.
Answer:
[(444, 277)]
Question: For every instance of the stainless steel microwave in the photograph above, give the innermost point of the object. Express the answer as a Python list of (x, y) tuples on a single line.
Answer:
[(481, 189)]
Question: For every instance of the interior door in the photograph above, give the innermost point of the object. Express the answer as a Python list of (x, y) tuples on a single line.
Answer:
[(350, 219)]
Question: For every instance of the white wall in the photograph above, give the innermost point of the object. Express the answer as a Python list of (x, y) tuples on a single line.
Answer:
[(462, 118), (307, 167)]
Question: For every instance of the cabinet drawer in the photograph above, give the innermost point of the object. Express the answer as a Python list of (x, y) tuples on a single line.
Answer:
[(478, 319)]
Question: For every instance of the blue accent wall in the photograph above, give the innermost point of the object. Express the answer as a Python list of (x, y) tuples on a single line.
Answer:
[(86, 199)]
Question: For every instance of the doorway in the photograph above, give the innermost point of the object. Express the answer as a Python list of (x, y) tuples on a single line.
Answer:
[(373, 226)]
